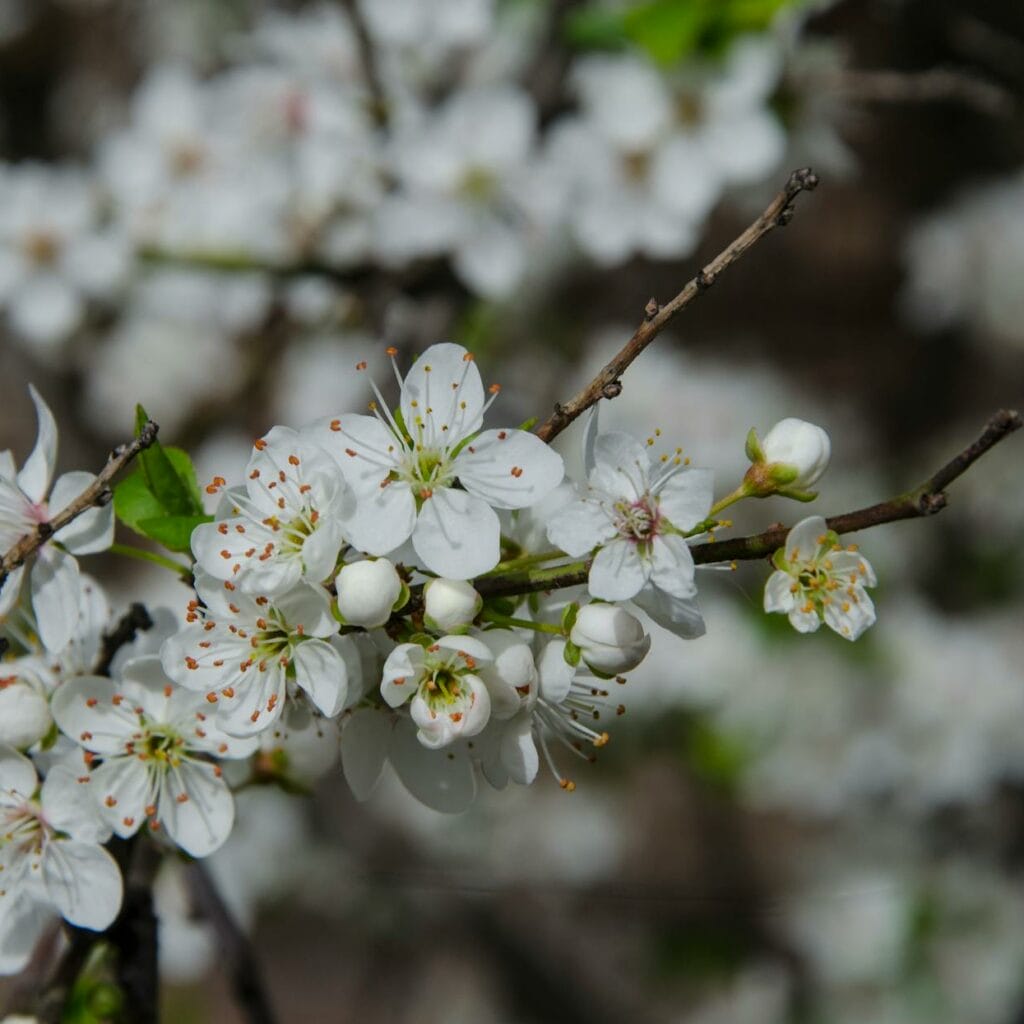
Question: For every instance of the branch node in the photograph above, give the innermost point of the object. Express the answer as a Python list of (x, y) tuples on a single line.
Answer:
[(929, 504), (703, 280), (612, 389), (652, 309), (44, 531)]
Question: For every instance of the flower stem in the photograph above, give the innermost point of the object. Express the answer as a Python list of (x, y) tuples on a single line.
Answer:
[(729, 499), (151, 556), (525, 561), (507, 620)]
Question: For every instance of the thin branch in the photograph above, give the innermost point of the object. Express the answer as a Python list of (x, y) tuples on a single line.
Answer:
[(96, 495), (924, 500), (235, 949), (656, 318), (368, 62), (934, 85), (133, 621)]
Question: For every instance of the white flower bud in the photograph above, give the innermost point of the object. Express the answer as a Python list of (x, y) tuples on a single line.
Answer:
[(799, 446), (450, 605), (610, 639), (24, 715), (367, 592)]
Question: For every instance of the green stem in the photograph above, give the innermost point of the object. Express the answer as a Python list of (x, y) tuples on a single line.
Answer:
[(524, 561), (151, 556), (729, 499), (507, 620)]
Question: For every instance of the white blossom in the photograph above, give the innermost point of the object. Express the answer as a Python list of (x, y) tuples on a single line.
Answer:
[(611, 641), (404, 466), (450, 605), (367, 592), (818, 580)]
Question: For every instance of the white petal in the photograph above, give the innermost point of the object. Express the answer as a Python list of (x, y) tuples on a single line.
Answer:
[(383, 520), (320, 671), (363, 447), (850, 617), (120, 788), (678, 615), (22, 921), (457, 535), (308, 607), (672, 568), (320, 550), (444, 379), (401, 674), (196, 808), (621, 466), (87, 710), (17, 776), (11, 590), (68, 806), (84, 883), (778, 597), (441, 779), (55, 596), (518, 750), (509, 468), (686, 497), (802, 542), (804, 622), (579, 527), (92, 531), (35, 476), (554, 672), (365, 738), (617, 572), (235, 556)]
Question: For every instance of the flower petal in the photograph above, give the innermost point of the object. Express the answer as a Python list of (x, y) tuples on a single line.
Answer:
[(383, 520), (457, 535), (35, 476), (678, 615), (18, 779), (778, 597), (68, 806), (580, 527), (442, 396), (509, 468), (88, 710), (621, 466), (22, 921), (365, 738), (55, 596), (802, 542), (84, 883), (196, 808), (320, 671), (441, 779), (93, 530), (672, 568), (686, 497), (120, 787), (617, 572)]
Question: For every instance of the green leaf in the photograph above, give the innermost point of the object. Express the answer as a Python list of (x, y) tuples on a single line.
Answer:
[(174, 532), (135, 501), (669, 29), (172, 481)]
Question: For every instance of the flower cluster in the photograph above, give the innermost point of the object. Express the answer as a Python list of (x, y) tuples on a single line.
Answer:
[(364, 589)]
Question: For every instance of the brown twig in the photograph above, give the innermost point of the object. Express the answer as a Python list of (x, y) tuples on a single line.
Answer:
[(96, 495), (656, 317), (924, 500), (235, 948), (934, 85), (368, 63)]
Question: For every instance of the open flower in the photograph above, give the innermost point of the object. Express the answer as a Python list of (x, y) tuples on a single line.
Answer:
[(50, 857), (405, 468), (285, 525), (157, 742), (637, 516), (448, 699), (818, 580), (24, 505), (249, 653)]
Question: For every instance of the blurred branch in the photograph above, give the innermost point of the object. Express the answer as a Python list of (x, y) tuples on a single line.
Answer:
[(133, 621), (234, 947), (934, 85), (656, 318), (923, 500), (368, 62), (95, 495)]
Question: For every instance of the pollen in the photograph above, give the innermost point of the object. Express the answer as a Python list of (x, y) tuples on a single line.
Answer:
[(259, 444), (517, 471)]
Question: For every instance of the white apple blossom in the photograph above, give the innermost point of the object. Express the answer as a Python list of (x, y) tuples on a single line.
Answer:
[(791, 458), (51, 858), (818, 580), (611, 641), (157, 743), (367, 592), (285, 526), (251, 653), (448, 699), (637, 516), (450, 605), (27, 501), (404, 467)]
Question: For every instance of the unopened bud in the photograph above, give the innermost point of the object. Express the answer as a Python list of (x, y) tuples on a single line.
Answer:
[(450, 606), (24, 715), (610, 640), (790, 459), (367, 592)]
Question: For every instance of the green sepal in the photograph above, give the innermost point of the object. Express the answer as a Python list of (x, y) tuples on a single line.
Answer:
[(528, 424), (51, 737), (804, 496), (779, 560), (569, 617), (572, 654), (423, 639), (753, 446), (403, 597), (782, 473), (500, 605)]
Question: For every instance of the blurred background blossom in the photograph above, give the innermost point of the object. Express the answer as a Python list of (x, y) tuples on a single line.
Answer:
[(217, 208)]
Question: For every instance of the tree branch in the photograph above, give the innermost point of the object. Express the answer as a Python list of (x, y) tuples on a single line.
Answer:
[(235, 948), (656, 318), (923, 500), (368, 62), (96, 495)]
